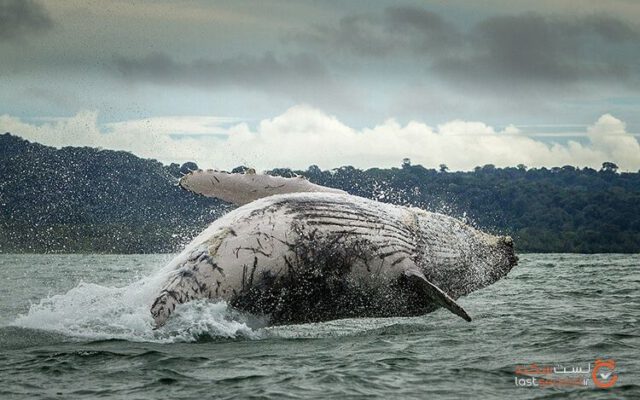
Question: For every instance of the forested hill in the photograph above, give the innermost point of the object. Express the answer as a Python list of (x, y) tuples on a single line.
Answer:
[(91, 200)]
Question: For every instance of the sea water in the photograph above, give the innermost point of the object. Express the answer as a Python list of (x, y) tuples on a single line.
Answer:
[(78, 326)]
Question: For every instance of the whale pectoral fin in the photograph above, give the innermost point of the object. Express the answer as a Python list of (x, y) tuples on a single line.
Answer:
[(244, 188), (191, 281), (435, 294), (163, 306)]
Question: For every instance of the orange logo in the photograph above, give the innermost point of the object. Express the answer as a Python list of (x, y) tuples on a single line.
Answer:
[(603, 375)]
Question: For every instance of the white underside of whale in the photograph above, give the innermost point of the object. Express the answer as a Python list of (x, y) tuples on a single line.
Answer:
[(262, 236)]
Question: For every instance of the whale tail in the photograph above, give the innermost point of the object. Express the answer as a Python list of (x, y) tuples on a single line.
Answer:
[(244, 188)]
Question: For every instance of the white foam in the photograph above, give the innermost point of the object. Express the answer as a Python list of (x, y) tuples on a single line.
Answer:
[(95, 312)]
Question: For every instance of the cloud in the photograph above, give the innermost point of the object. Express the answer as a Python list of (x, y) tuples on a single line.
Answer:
[(502, 52), (176, 126), (360, 34), (394, 30), (22, 17), (609, 135), (530, 49), (169, 139), (425, 30), (298, 75), (303, 135)]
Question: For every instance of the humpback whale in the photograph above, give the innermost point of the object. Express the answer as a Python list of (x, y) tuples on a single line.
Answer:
[(296, 252)]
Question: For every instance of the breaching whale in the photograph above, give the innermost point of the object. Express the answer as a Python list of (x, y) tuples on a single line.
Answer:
[(297, 252)]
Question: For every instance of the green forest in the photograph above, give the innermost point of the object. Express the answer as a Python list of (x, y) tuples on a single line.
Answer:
[(92, 200)]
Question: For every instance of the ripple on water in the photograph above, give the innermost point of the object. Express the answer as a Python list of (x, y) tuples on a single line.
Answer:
[(97, 339)]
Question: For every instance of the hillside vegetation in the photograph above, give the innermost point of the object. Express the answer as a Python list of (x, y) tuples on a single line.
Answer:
[(91, 200)]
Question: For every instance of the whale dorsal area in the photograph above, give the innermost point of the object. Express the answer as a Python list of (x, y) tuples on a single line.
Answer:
[(241, 189), (434, 293)]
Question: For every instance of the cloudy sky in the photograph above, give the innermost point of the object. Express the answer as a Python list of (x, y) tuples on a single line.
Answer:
[(294, 83)]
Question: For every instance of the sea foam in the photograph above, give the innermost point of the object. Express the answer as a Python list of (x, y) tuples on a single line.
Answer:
[(95, 312)]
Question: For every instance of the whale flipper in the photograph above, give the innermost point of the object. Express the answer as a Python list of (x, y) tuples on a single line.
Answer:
[(435, 294), (192, 280), (244, 188)]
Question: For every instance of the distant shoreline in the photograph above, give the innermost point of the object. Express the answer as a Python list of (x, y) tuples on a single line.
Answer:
[(85, 200)]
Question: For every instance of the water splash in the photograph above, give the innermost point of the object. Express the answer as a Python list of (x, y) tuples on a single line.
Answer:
[(95, 312)]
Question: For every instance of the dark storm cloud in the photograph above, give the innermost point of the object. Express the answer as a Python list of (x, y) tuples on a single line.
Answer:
[(22, 17), (609, 28), (532, 48), (525, 49), (301, 76), (359, 34), (396, 29), (237, 71), (424, 29)]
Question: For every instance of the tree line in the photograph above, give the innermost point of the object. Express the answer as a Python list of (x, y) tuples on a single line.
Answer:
[(92, 200)]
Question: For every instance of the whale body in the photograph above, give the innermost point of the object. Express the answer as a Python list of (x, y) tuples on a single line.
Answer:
[(316, 256)]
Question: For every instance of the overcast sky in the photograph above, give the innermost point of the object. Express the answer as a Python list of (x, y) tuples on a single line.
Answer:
[(294, 83)]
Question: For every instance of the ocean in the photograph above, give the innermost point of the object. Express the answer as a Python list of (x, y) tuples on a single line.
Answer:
[(78, 326)]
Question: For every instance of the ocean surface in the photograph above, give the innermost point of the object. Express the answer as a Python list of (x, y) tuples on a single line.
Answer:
[(78, 326)]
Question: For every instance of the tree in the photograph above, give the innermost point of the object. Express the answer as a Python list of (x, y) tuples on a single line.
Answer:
[(284, 172), (522, 167), (239, 170), (406, 162), (443, 168), (488, 168), (174, 170), (188, 167), (608, 166)]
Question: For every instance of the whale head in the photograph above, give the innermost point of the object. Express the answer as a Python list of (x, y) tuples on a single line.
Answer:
[(491, 260), (500, 258), (459, 258)]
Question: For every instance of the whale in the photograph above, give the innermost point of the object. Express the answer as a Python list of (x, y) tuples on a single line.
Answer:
[(295, 252)]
